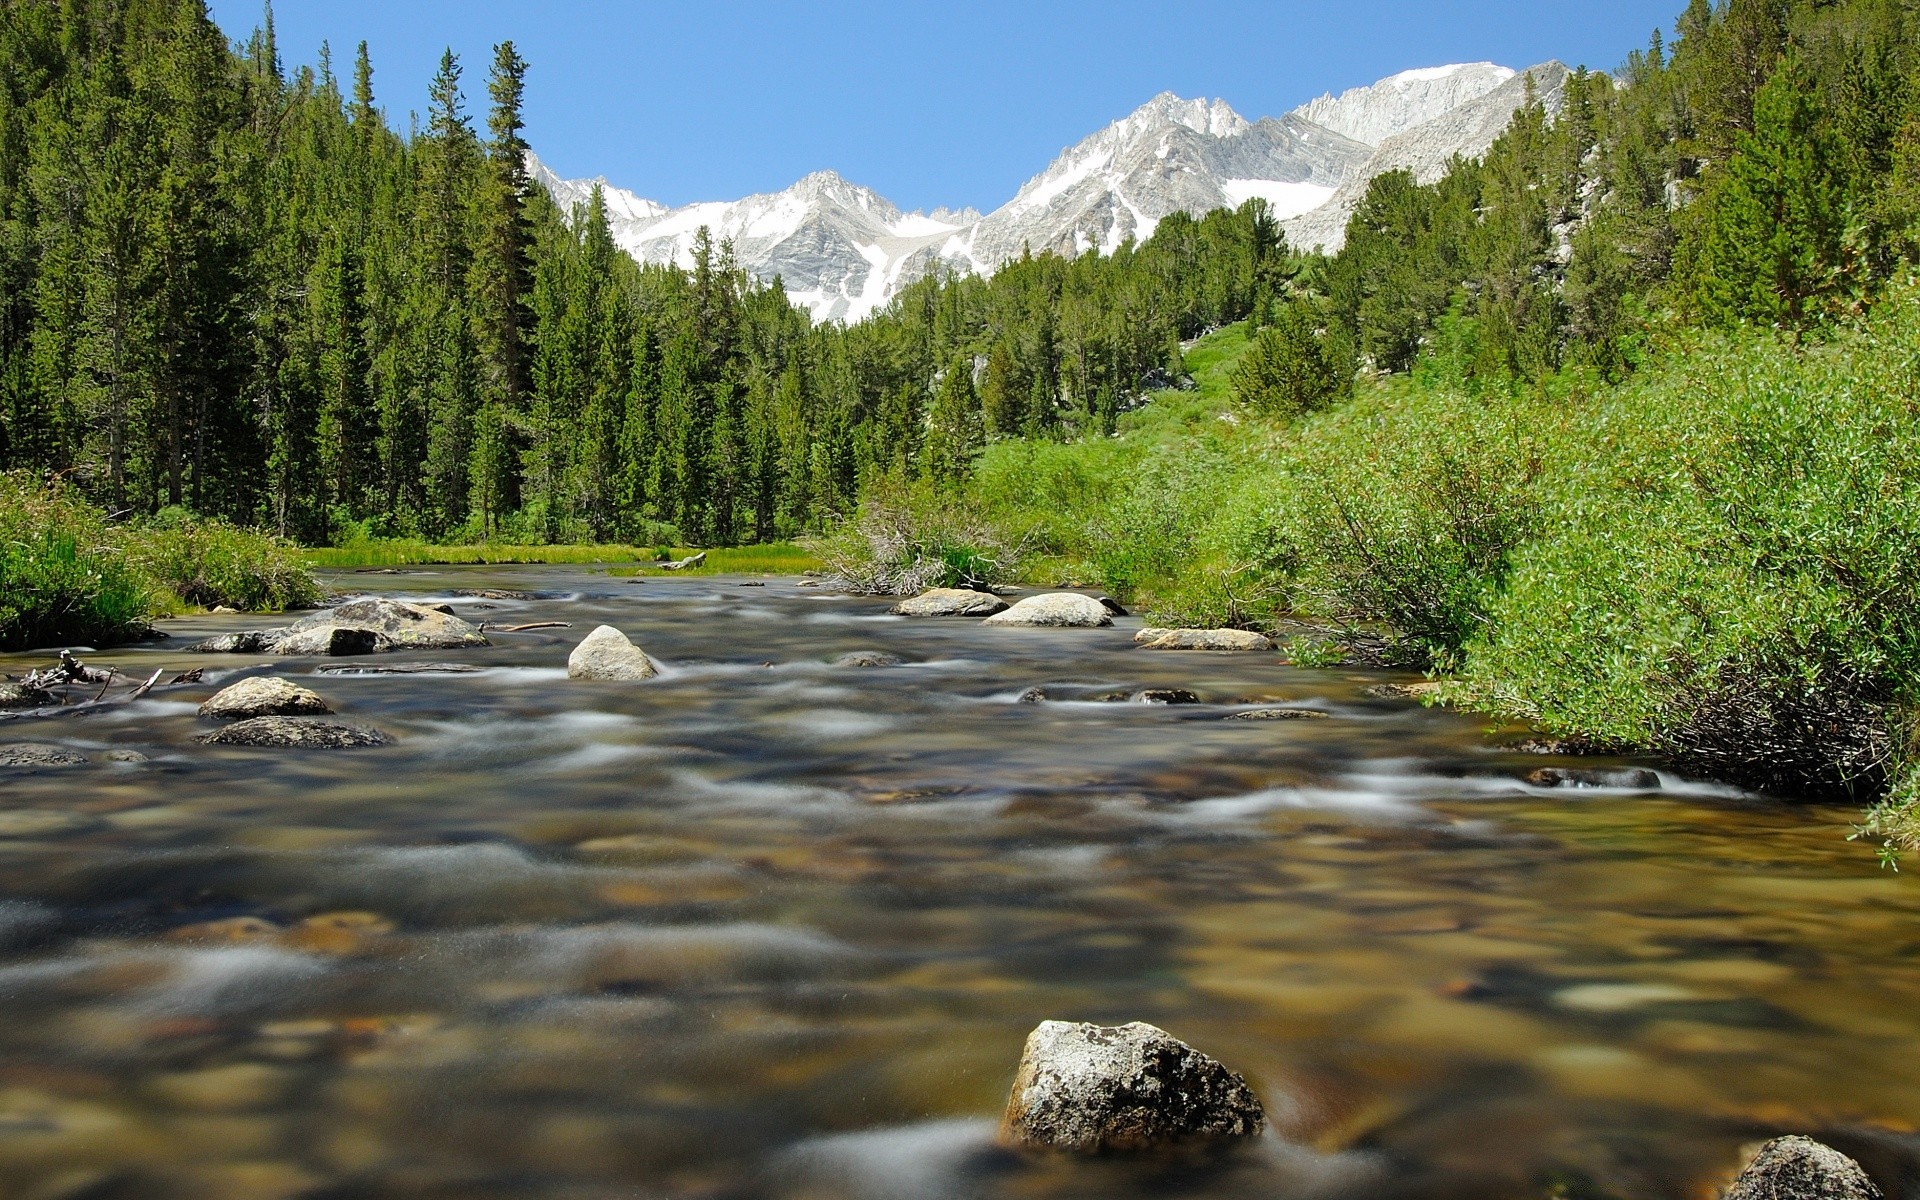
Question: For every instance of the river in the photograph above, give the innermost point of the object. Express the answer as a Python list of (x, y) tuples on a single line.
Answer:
[(771, 926)]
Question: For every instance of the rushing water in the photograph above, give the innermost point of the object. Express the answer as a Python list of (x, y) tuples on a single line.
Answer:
[(769, 926)]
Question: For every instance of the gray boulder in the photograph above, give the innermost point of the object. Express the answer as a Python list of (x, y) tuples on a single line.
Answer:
[(950, 602), (19, 695), (609, 655), (404, 626), (1164, 696), (263, 696), (1066, 610), (247, 641), (1202, 639), (1097, 1089), (332, 641), (35, 756), (868, 658), (1799, 1168), (291, 733)]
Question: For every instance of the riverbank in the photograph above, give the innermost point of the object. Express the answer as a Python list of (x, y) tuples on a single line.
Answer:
[(778, 558)]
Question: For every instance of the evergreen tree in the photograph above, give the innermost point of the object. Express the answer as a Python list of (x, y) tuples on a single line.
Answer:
[(954, 433), (502, 285)]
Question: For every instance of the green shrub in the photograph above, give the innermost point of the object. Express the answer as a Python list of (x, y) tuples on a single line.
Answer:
[(63, 576), (1289, 370), (1729, 571), (905, 539), (210, 563)]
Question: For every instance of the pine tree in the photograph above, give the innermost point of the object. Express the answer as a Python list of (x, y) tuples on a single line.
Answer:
[(954, 434), (502, 285)]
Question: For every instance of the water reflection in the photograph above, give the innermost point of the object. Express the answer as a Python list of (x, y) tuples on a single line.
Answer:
[(772, 926)]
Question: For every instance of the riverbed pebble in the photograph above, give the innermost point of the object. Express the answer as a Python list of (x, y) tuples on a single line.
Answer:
[(263, 696), (1098, 1089), (608, 655), (1799, 1168), (1063, 610)]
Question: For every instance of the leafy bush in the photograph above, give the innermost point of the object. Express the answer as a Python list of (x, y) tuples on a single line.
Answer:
[(1289, 370), (1729, 570), (905, 540), (63, 577), (209, 563)]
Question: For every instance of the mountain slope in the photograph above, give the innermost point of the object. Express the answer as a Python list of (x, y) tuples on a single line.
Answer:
[(843, 250)]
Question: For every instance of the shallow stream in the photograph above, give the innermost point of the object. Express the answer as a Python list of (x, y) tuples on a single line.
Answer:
[(769, 926)]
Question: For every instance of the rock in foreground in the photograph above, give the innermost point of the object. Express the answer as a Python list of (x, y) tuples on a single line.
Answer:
[(1799, 1168), (1202, 639), (403, 626), (950, 602), (291, 733), (607, 654), (1098, 1089), (1060, 610), (263, 696), (37, 755)]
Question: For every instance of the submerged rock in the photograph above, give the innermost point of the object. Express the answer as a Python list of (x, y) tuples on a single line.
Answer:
[(1164, 696), (292, 733), (405, 626), (1202, 639), (868, 658), (38, 755), (263, 696), (607, 654), (247, 641), (19, 695), (950, 602), (1799, 1168), (1423, 690), (1113, 606), (1061, 610), (1637, 778), (1096, 1089), (1278, 714), (399, 669)]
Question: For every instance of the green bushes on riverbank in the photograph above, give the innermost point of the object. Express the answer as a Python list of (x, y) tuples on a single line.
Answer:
[(69, 575), (775, 558)]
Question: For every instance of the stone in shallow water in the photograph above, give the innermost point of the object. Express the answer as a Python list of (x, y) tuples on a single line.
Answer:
[(1202, 639), (1060, 610), (609, 655), (38, 755), (950, 602), (1637, 778), (14, 695), (263, 696), (247, 641), (406, 626), (1278, 714), (1799, 1168), (868, 658), (292, 733), (1096, 1089), (1164, 696), (332, 641)]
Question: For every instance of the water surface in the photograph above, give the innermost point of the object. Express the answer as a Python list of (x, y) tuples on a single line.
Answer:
[(769, 926)]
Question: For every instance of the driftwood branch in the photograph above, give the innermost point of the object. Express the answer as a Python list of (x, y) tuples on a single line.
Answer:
[(534, 625)]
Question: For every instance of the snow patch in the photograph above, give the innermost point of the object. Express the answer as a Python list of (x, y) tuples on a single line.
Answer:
[(1286, 199)]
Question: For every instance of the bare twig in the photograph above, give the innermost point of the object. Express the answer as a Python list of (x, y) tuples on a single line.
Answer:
[(144, 688), (535, 625)]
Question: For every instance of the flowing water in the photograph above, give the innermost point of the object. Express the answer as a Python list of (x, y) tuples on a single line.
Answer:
[(771, 926)]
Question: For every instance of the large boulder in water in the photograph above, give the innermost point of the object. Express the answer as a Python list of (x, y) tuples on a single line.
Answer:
[(607, 654), (332, 641), (35, 756), (1202, 639), (290, 733), (247, 641), (263, 696), (1097, 1089), (950, 602), (403, 626), (1799, 1168), (1069, 610)]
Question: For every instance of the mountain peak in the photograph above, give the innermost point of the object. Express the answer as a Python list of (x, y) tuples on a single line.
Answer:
[(1215, 118), (1398, 103)]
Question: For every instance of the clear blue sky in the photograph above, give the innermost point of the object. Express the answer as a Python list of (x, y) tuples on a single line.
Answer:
[(929, 104)]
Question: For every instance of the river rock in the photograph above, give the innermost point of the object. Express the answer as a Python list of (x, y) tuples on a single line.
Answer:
[(950, 602), (18, 695), (292, 733), (1799, 1168), (34, 756), (1068, 610), (1096, 1089), (1164, 696), (1202, 639), (247, 641), (263, 696), (607, 654), (332, 641), (1278, 714), (405, 626), (868, 658), (1635, 778)]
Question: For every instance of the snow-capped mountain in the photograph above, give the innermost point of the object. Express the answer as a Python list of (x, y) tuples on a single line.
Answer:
[(843, 250)]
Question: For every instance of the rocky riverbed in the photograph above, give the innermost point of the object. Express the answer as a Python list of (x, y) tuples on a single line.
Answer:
[(778, 920)]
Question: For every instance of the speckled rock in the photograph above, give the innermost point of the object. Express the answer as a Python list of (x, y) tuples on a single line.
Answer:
[(1637, 779), (1096, 1089), (1799, 1168), (294, 733), (1065, 610), (1279, 714), (15, 695), (1164, 696), (950, 602), (406, 626), (609, 655), (332, 641), (868, 658), (1202, 639), (247, 641), (38, 755), (263, 696)]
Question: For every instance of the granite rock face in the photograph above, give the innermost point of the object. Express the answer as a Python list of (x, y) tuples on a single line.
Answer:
[(263, 696), (1095, 1089), (1799, 1168), (608, 655), (1060, 610)]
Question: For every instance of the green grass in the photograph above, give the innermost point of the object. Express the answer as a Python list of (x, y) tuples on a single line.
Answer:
[(778, 558)]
